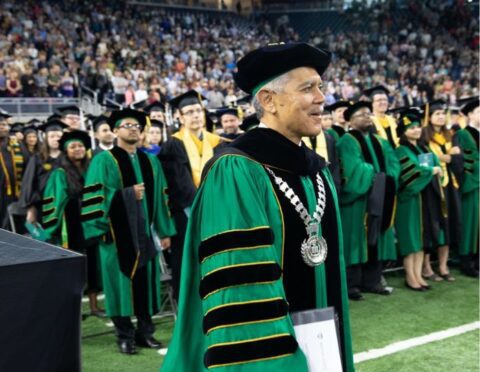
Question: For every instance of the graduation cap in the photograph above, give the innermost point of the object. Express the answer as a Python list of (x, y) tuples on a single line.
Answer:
[(75, 136), (99, 120), (157, 123), (154, 106), (112, 105), (35, 122), (117, 115), (470, 105), (397, 110), (408, 117), (54, 116), (355, 107), (249, 122), (16, 128), (29, 129), (260, 66), (430, 107), (53, 125), (337, 105), (191, 97), (139, 105), (68, 110), (227, 111), (4, 114), (379, 89)]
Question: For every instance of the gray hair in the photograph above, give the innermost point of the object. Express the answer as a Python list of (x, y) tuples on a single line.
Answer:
[(275, 85)]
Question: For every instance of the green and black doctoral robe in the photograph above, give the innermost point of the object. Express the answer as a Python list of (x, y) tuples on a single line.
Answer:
[(336, 131), (362, 157), (130, 271), (414, 178), (242, 272), (467, 139)]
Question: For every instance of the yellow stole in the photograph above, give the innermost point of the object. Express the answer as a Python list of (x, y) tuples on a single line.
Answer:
[(383, 123), (321, 145), (435, 145), (199, 152)]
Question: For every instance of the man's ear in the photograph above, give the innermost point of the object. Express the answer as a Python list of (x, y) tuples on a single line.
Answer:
[(265, 98)]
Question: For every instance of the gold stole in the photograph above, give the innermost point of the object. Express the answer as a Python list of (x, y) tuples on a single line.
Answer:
[(321, 145), (383, 123), (198, 152), (435, 145)]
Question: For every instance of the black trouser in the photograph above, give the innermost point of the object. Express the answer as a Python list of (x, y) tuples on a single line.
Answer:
[(364, 276), (468, 262), (176, 249), (126, 330)]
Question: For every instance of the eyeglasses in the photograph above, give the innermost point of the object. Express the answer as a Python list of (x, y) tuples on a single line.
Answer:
[(192, 112), (361, 114), (130, 126), (72, 117)]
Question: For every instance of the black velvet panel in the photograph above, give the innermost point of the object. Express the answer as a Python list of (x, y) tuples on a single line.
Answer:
[(91, 215), (474, 133), (127, 255), (50, 223), (232, 240), (92, 201), (363, 145), (340, 131), (125, 164), (388, 131), (239, 275), (409, 180), (244, 313), (48, 212), (407, 169), (388, 203), (92, 188), (148, 180), (377, 148), (76, 239), (404, 160), (47, 200), (250, 351)]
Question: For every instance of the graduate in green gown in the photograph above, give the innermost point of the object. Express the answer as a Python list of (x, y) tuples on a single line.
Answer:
[(367, 201), (243, 270), (125, 196), (61, 208), (415, 176), (467, 139)]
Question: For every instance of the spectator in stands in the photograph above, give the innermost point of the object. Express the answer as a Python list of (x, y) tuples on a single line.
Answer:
[(66, 85), (14, 86)]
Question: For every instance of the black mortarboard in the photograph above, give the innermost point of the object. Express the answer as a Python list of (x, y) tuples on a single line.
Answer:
[(35, 122), (249, 122), (397, 110), (227, 110), (29, 128), (118, 115), (470, 105), (154, 106), (157, 123), (67, 110), (53, 125), (4, 114), (337, 105), (112, 105), (433, 106), (75, 135), (209, 124), (54, 116), (139, 105), (355, 107), (99, 120), (191, 97), (16, 127), (379, 89), (262, 65), (408, 117)]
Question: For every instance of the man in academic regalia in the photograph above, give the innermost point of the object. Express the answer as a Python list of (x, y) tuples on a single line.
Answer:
[(229, 119), (385, 125), (183, 158), (467, 140), (12, 164), (103, 134), (156, 111), (125, 194), (340, 126), (243, 268), (370, 171), (70, 115)]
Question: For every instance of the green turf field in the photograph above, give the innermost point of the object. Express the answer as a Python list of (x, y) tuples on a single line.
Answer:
[(376, 322)]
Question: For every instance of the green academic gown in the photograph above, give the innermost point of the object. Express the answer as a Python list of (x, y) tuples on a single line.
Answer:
[(414, 178), (361, 158), (469, 187), (336, 131), (105, 216), (233, 313)]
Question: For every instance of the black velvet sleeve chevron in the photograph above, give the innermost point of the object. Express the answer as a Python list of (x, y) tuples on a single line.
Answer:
[(233, 240), (243, 274)]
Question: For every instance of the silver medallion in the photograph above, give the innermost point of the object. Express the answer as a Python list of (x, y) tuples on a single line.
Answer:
[(314, 250)]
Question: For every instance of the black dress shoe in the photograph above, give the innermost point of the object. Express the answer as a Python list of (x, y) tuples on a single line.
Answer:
[(355, 295), (379, 289), (427, 287), (98, 313), (127, 347), (416, 289), (148, 342)]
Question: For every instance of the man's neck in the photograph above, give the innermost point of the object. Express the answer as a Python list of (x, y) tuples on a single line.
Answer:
[(379, 114), (341, 125), (130, 148), (197, 132)]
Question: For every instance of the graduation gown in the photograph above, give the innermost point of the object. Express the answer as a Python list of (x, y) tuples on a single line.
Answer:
[(129, 263), (331, 153), (414, 178), (467, 139), (361, 159), (336, 131), (12, 164), (35, 179), (387, 129), (242, 268)]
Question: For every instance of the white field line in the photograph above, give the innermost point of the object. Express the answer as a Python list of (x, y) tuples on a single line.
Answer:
[(413, 342)]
